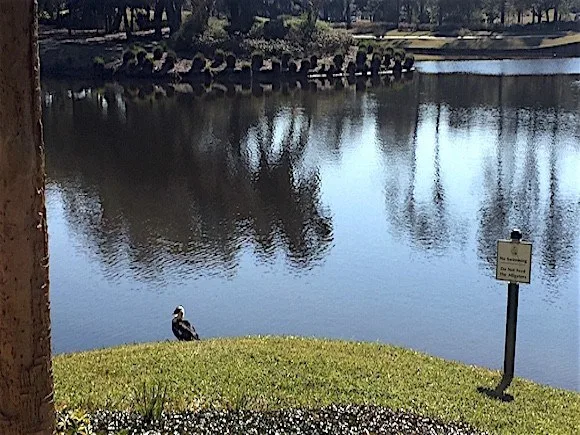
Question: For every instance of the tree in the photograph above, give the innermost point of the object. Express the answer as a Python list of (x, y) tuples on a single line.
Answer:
[(172, 9), (26, 388)]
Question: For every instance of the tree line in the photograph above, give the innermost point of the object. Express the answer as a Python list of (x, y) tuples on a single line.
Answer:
[(109, 15)]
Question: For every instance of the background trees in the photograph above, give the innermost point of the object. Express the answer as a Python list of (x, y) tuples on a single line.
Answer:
[(112, 15)]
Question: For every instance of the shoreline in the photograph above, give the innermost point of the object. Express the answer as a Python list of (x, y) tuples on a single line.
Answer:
[(75, 57)]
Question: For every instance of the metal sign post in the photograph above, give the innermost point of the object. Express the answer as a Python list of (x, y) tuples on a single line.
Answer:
[(514, 260)]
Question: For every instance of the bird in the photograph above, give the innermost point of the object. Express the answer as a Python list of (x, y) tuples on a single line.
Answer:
[(182, 329)]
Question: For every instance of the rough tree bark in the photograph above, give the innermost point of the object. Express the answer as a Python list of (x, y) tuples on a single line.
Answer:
[(26, 388)]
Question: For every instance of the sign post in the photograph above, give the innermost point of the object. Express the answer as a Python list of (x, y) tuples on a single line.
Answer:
[(514, 260)]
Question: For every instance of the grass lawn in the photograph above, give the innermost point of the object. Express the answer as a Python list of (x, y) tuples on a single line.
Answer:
[(267, 373)]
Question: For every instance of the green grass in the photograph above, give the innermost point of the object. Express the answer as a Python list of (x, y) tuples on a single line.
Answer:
[(266, 373)]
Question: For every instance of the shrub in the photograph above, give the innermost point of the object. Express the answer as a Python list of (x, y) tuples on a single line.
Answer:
[(286, 58), (99, 63), (128, 55), (305, 66), (257, 61), (217, 29), (218, 58), (230, 61), (313, 61), (292, 67), (370, 49), (351, 68), (397, 67), (361, 58), (376, 64), (275, 29), (198, 63), (132, 65), (158, 53), (276, 66), (73, 422), (338, 61), (387, 60), (409, 62), (246, 69), (141, 56), (147, 64), (170, 59), (257, 30)]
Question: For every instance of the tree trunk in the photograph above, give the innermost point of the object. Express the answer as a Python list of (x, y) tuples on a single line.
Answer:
[(502, 12), (158, 17), (127, 24), (26, 388), (547, 15), (519, 17), (348, 15)]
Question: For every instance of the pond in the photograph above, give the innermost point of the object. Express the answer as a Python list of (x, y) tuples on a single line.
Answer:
[(360, 214)]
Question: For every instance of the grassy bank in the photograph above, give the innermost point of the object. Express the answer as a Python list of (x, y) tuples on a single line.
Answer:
[(275, 373), (426, 46)]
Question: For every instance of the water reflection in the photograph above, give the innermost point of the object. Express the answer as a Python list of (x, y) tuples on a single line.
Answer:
[(197, 179), (188, 183), (294, 211)]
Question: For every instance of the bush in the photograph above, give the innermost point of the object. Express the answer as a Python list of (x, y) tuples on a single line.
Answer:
[(351, 68), (217, 29), (198, 63), (147, 65), (158, 53), (246, 69), (276, 66), (128, 55), (387, 61), (170, 59), (397, 67), (98, 63), (313, 61), (257, 30), (257, 61), (218, 58), (338, 61), (275, 29), (292, 67), (376, 63), (286, 58), (141, 56), (361, 58), (400, 54), (409, 62), (73, 423), (305, 66), (230, 61), (132, 65)]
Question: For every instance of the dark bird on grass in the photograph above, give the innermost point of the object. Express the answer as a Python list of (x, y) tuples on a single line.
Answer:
[(182, 329)]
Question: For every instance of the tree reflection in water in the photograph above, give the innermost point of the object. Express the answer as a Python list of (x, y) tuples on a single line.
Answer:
[(516, 172), (196, 179), (190, 182)]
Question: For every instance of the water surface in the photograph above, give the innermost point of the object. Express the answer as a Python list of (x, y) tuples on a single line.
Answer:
[(504, 67), (343, 213)]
